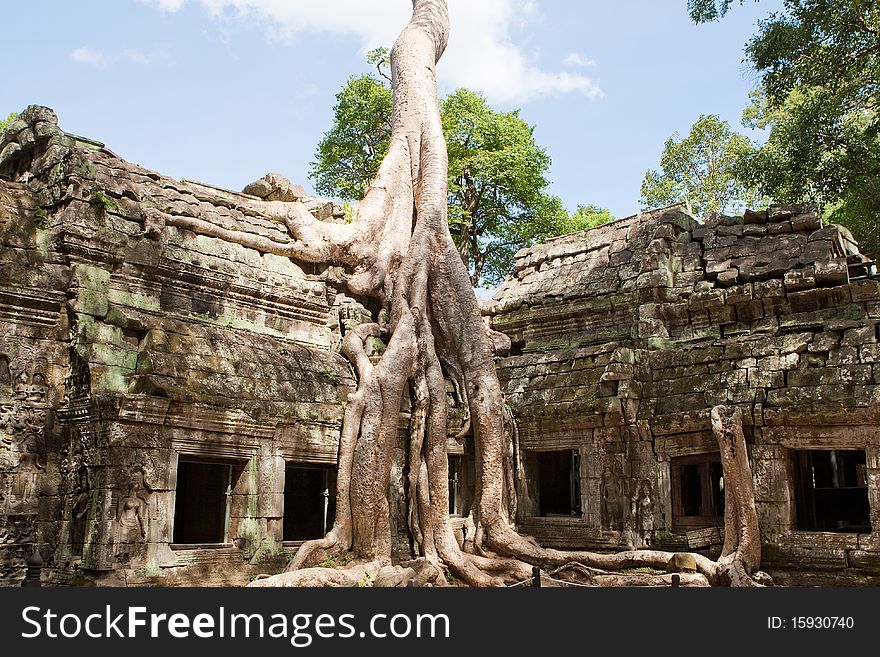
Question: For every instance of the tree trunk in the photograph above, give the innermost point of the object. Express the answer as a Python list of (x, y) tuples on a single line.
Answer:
[(741, 553), (398, 250)]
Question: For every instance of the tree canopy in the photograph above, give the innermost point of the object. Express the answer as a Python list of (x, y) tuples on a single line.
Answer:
[(705, 11), (702, 171), (585, 218), (819, 99), (5, 122), (819, 67), (498, 199), (349, 155)]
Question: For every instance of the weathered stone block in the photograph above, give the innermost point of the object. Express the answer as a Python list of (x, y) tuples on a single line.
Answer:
[(91, 286), (781, 212), (750, 311), (768, 289), (755, 217), (832, 272), (800, 279), (807, 222), (776, 306), (869, 353), (865, 290), (824, 342), (842, 356), (779, 228), (735, 378), (754, 230), (859, 336), (783, 362), (728, 277), (766, 379)]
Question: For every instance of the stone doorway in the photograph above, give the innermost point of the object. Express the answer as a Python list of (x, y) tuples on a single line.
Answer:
[(309, 501), (697, 492), (559, 485), (202, 503)]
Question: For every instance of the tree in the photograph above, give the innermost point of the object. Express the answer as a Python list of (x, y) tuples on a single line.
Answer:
[(820, 100), (585, 218), (497, 203), (819, 62), (702, 170), (497, 173), (9, 119), (349, 155), (398, 251), (706, 11)]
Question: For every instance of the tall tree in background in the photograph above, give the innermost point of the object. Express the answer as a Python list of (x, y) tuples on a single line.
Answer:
[(497, 183), (705, 11), (497, 197), (585, 218), (349, 155), (702, 171), (819, 100), (5, 122), (398, 251)]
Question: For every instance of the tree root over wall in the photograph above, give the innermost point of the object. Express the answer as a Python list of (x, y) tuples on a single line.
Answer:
[(398, 250)]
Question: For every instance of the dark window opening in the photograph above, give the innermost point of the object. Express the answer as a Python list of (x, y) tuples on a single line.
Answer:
[(516, 347), (461, 475), (831, 491), (454, 484), (202, 505), (559, 483), (309, 502), (691, 490), (697, 492)]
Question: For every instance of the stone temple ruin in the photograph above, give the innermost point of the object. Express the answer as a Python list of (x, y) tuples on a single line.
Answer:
[(170, 402)]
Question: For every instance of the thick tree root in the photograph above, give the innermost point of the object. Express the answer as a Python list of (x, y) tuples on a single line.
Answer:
[(398, 250)]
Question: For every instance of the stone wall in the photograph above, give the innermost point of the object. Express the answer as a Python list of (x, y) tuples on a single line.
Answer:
[(127, 346), (625, 336), (133, 353)]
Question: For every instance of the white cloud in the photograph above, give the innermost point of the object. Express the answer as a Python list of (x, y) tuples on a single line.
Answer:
[(578, 60), (164, 5), (136, 56), (100, 59), (89, 56), (482, 53)]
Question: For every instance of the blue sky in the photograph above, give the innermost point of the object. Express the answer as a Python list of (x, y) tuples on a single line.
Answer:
[(224, 91)]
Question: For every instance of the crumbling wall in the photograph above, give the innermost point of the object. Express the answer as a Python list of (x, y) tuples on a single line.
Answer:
[(127, 345), (625, 336)]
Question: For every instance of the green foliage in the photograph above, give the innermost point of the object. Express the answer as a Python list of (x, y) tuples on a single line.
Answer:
[(497, 183), (497, 173), (349, 155), (706, 11), (584, 218), (41, 219), (381, 59), (703, 171), (9, 119), (331, 376), (348, 211), (101, 200), (332, 561), (819, 62), (831, 44)]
